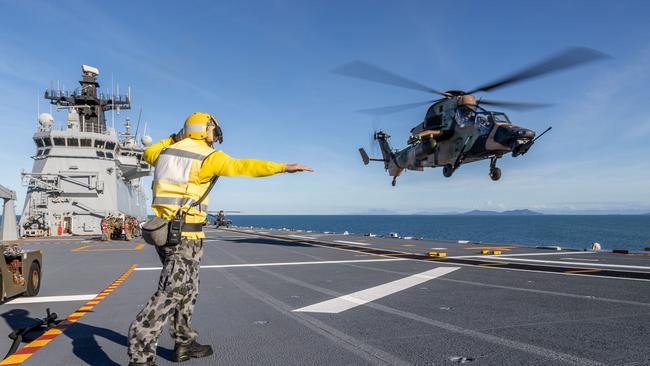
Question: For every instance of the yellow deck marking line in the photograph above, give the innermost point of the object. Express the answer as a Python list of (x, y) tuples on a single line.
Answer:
[(506, 247), (80, 248), (583, 270), (28, 350), (85, 249)]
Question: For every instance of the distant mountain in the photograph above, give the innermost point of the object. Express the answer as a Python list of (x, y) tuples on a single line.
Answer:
[(378, 211), (503, 213)]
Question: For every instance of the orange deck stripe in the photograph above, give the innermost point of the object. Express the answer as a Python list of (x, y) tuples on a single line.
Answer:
[(28, 350)]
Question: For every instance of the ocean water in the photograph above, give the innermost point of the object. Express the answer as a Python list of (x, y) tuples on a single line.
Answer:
[(630, 232)]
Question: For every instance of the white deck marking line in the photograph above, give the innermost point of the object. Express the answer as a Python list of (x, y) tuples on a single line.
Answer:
[(576, 263), (208, 266), (35, 300), (301, 237), (222, 238), (350, 242), (497, 268), (346, 302), (581, 259), (519, 255)]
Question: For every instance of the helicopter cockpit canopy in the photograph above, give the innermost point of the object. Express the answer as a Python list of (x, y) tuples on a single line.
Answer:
[(465, 116), (500, 117)]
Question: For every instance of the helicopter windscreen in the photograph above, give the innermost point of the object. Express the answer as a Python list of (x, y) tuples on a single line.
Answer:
[(500, 117), (465, 116)]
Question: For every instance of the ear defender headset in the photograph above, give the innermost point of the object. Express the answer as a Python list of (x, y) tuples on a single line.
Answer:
[(196, 127)]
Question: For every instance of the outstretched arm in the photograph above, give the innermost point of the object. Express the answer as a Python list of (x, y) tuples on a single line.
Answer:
[(221, 164)]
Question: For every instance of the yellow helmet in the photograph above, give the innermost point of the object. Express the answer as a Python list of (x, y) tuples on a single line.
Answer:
[(196, 125)]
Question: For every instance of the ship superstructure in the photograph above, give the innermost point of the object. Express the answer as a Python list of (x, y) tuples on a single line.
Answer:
[(84, 171)]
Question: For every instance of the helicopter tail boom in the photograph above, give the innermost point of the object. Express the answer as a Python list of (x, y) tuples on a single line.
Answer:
[(366, 159)]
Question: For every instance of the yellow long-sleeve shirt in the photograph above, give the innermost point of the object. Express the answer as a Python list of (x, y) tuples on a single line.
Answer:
[(217, 164)]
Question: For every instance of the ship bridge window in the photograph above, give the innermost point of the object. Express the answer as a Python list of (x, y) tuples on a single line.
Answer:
[(39, 142), (86, 142), (99, 144), (110, 145), (109, 155), (46, 152), (47, 141), (59, 141), (73, 142), (100, 154), (39, 153)]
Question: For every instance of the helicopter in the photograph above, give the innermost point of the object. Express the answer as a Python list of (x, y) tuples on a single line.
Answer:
[(456, 128)]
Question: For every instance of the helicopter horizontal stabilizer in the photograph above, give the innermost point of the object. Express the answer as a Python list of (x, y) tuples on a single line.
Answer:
[(366, 159), (364, 156)]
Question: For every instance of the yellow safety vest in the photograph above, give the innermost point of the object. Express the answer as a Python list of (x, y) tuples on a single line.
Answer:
[(176, 183)]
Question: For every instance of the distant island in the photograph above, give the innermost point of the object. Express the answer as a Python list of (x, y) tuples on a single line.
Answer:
[(503, 213)]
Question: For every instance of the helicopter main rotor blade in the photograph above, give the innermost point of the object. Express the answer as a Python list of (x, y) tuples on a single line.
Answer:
[(517, 106), (563, 60), (394, 108), (365, 71)]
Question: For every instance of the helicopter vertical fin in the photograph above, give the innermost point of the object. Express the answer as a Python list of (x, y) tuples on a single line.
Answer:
[(384, 145)]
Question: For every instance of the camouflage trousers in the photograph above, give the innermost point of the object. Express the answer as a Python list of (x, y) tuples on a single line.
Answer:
[(175, 297)]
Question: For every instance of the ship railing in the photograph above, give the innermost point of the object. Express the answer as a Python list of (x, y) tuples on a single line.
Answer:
[(56, 94), (36, 180)]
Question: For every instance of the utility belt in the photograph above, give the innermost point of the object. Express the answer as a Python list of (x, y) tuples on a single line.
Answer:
[(160, 232), (196, 227)]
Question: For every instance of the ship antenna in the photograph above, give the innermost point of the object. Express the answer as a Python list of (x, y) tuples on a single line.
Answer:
[(137, 126), (144, 132), (112, 101)]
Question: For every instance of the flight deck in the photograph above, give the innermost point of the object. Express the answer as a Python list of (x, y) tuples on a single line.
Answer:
[(286, 297)]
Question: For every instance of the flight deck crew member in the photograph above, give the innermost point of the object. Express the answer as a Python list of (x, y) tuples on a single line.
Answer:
[(185, 164)]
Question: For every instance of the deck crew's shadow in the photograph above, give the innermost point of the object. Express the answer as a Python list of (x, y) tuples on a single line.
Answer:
[(83, 336)]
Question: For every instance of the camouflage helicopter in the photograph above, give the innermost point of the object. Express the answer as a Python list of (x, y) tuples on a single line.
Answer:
[(456, 128)]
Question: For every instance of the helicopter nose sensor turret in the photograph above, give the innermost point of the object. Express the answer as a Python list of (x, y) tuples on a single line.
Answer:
[(524, 133)]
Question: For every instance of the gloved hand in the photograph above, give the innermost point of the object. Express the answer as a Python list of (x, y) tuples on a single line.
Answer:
[(178, 135)]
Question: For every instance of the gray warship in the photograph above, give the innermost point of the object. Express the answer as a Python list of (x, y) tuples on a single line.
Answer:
[(83, 171)]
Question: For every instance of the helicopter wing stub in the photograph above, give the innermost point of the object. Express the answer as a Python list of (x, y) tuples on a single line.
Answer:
[(365, 71), (517, 106), (569, 58)]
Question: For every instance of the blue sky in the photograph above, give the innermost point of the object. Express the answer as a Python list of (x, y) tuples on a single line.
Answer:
[(263, 69)]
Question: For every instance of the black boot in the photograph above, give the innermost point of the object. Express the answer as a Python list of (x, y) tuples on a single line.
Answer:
[(185, 351)]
